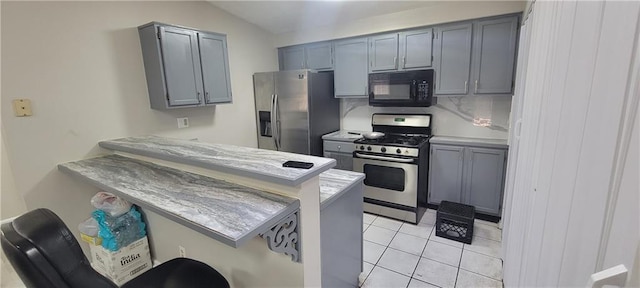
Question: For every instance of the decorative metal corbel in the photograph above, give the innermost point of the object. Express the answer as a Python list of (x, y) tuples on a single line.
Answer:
[(283, 237)]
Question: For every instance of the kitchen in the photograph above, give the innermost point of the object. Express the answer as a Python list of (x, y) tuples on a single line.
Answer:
[(102, 93)]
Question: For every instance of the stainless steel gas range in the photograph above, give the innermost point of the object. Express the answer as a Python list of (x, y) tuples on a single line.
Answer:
[(395, 166)]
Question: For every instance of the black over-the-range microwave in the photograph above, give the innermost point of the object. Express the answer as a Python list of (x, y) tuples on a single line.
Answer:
[(402, 89)]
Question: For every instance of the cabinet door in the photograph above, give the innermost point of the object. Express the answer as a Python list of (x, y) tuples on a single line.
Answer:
[(494, 52), (319, 56), (215, 68), (181, 66), (484, 179), (383, 52), (415, 48), (452, 59), (344, 161), (445, 173), (292, 58), (350, 68)]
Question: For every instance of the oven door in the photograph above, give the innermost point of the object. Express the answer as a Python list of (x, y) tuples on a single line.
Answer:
[(388, 180)]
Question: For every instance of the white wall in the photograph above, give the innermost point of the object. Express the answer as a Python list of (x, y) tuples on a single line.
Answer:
[(80, 63), (445, 11)]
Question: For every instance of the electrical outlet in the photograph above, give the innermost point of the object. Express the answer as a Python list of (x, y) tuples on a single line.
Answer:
[(22, 107), (182, 252), (183, 122)]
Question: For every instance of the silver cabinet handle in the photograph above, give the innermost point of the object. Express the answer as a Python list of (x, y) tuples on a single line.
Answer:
[(206, 96), (475, 89), (404, 62), (395, 62), (466, 87)]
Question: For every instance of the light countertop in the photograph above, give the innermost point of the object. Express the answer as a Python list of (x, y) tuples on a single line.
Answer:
[(227, 212), (480, 142), (343, 135), (265, 165)]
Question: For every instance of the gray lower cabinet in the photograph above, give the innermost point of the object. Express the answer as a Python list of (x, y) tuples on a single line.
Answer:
[(350, 72), (445, 176), (184, 67), (468, 175), (341, 239), (316, 56), (476, 58), (341, 151), (484, 177)]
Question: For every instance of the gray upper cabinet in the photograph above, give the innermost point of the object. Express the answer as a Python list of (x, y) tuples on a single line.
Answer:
[(316, 56), (350, 68), (292, 58), (215, 68), (485, 67), (184, 67), (494, 54), (401, 51), (181, 66), (484, 179), (319, 56), (468, 175), (383, 52), (446, 172), (416, 49), (452, 59)]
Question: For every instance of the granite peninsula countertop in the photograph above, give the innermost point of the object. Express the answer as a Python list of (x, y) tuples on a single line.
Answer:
[(227, 212), (480, 142), (335, 182), (255, 163)]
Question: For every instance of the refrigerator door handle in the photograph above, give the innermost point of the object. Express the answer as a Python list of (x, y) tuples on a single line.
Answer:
[(273, 121), (277, 123)]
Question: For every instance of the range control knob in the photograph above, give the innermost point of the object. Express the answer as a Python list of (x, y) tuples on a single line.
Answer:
[(361, 147), (369, 148), (383, 149), (398, 151)]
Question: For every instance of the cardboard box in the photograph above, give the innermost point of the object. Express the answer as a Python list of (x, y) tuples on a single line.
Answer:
[(93, 240), (124, 264)]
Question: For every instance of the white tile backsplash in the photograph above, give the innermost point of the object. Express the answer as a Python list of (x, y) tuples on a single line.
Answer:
[(477, 116)]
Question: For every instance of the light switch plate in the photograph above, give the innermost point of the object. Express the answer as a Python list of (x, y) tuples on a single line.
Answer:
[(22, 107)]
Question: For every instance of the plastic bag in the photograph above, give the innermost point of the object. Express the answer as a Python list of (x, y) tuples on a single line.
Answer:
[(120, 231), (111, 204), (89, 227)]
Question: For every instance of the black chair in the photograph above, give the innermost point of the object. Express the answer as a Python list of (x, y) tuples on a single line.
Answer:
[(44, 253)]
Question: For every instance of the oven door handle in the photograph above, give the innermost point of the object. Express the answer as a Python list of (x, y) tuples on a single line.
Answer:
[(373, 157)]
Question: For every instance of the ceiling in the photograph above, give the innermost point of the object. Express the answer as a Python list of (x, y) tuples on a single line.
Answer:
[(287, 16)]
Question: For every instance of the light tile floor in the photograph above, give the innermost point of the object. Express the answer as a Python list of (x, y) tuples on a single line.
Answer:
[(398, 254)]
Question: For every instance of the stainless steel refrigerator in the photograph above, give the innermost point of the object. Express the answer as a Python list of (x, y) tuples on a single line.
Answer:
[(294, 109)]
